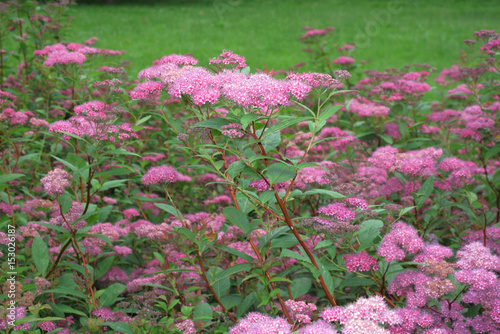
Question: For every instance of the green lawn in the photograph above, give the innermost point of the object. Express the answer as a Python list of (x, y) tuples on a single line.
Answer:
[(266, 31)]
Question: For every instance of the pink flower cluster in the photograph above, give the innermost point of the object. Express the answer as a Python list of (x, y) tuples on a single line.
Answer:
[(401, 238), (360, 262), (163, 174), (231, 131), (260, 90), (55, 182), (261, 323), (368, 109), (300, 311), (229, 58), (366, 315), (339, 211)]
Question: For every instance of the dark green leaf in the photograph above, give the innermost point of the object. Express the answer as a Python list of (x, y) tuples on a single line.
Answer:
[(213, 123), (40, 253), (356, 281), (202, 311), (300, 286), (279, 172), (119, 327), (65, 201), (109, 296), (9, 177), (237, 218)]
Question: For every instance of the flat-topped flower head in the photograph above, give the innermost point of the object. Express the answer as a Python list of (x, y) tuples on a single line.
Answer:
[(261, 323), (163, 174), (55, 182), (402, 238), (360, 262), (229, 58)]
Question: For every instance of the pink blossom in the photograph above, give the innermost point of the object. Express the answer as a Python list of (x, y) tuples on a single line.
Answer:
[(344, 60), (360, 262), (55, 182), (402, 237), (163, 174)]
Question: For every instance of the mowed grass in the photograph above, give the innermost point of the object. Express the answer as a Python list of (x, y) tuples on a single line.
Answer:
[(266, 32)]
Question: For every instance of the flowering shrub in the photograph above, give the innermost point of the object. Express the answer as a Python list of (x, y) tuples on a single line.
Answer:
[(214, 199)]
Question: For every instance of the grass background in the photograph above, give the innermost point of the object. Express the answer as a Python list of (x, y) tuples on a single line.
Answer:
[(266, 31)]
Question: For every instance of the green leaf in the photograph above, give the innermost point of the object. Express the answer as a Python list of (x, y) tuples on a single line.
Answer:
[(65, 201), (103, 266), (220, 287), (271, 141), (70, 292), (235, 168), (109, 296), (202, 311), (285, 241), (113, 171), (142, 120), (328, 113), (119, 327), (279, 172), (368, 231), (300, 286), (33, 319), (170, 209), (213, 123), (425, 191), (232, 271), (387, 139), (356, 281), (229, 250), (40, 253), (66, 163), (245, 120), (9, 177), (76, 160), (231, 301), (245, 304), (284, 124), (329, 193), (237, 218), (492, 152), (112, 184)]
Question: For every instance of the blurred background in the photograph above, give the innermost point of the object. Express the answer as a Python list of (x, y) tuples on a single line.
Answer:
[(387, 33)]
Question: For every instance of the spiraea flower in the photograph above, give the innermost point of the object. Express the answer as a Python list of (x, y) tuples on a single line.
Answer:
[(163, 174), (55, 182)]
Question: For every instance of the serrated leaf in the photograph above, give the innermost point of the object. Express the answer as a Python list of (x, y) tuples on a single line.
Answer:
[(40, 253), (279, 172), (109, 296), (237, 218), (202, 311), (300, 286)]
